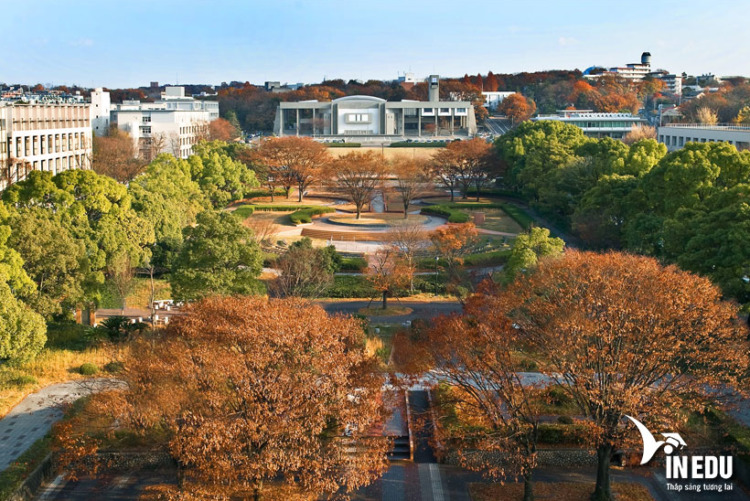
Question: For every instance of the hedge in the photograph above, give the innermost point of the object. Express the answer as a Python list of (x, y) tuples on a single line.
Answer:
[(405, 144), (493, 192), (343, 145), (493, 258), (244, 211), (353, 264), (305, 215), (452, 215), (554, 433), (345, 286)]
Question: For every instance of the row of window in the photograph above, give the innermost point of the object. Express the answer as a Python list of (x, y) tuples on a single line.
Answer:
[(45, 144), (679, 141)]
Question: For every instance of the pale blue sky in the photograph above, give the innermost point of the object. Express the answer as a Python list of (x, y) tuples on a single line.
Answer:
[(129, 43)]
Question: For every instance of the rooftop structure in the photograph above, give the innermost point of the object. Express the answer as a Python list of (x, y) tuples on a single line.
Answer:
[(614, 125), (361, 117)]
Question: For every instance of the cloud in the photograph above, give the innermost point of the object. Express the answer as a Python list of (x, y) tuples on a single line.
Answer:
[(563, 41), (82, 42)]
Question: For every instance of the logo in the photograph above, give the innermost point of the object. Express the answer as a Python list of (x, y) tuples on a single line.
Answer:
[(690, 468), (671, 441)]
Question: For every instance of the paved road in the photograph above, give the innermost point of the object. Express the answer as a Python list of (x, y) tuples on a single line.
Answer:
[(31, 419), (498, 126), (419, 310)]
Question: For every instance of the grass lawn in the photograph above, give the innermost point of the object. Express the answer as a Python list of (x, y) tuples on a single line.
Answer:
[(65, 352), (381, 343), (557, 491), (497, 220)]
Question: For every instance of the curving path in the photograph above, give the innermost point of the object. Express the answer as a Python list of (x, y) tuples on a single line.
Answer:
[(34, 416)]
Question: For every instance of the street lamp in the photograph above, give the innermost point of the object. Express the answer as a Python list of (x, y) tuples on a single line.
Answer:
[(437, 258)]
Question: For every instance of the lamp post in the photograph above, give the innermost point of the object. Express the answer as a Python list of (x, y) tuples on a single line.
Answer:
[(437, 258)]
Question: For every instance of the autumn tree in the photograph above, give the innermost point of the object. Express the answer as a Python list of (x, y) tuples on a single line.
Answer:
[(357, 176), (248, 394), (624, 335), (443, 167), (388, 272), (639, 132), (476, 355), (222, 130), (412, 180), (115, 155), (452, 243), (410, 241), (707, 116), (517, 107), (294, 161)]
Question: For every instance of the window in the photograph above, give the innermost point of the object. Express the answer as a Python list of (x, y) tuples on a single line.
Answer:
[(145, 129), (146, 119), (357, 118)]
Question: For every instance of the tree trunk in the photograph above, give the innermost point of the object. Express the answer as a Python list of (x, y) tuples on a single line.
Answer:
[(528, 487), (301, 189), (453, 196), (153, 294), (272, 190), (385, 299), (603, 489), (477, 192), (359, 211)]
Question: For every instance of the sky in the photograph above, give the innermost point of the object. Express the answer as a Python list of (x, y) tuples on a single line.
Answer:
[(130, 43)]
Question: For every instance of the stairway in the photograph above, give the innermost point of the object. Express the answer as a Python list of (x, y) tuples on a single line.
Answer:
[(401, 450)]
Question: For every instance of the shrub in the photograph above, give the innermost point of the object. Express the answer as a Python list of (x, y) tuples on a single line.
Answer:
[(23, 380), (453, 216), (343, 145), (114, 367), (88, 369), (115, 329), (350, 286), (527, 365), (406, 144), (555, 433), (306, 214), (493, 258), (565, 420), (557, 396), (353, 264)]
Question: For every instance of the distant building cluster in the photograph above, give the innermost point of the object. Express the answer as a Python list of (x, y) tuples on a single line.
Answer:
[(52, 131), (638, 72)]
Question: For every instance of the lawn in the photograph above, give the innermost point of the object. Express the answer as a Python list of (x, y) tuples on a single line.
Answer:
[(139, 295), (66, 350), (497, 220), (380, 343), (557, 491)]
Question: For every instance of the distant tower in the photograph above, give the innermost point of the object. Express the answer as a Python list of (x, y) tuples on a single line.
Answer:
[(646, 59), (433, 89)]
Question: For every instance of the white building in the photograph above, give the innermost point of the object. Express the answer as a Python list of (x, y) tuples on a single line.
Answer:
[(46, 137), (614, 125), (171, 125), (493, 99), (100, 111), (675, 136)]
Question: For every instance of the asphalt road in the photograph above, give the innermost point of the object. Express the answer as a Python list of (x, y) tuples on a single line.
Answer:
[(419, 310)]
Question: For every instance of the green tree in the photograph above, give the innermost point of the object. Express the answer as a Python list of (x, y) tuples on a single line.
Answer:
[(219, 256), (529, 248), (642, 156), (305, 271), (166, 196), (11, 262), (53, 259), (601, 215), (221, 178), (22, 331)]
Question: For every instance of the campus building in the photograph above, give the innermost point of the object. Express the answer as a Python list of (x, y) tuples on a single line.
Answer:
[(171, 125), (675, 136), (45, 137), (363, 117), (493, 99), (614, 125)]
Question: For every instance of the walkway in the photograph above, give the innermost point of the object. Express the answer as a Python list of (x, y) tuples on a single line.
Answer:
[(31, 419)]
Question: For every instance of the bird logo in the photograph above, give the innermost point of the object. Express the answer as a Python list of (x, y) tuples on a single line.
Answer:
[(671, 441)]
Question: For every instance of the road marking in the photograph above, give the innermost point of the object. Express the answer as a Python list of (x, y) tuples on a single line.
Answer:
[(50, 490)]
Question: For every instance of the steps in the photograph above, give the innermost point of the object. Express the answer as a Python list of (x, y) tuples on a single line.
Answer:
[(401, 450)]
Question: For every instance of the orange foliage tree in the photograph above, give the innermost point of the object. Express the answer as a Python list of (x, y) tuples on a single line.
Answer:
[(250, 391), (293, 162), (388, 272), (222, 130), (412, 180), (517, 107), (452, 243), (115, 156), (622, 334), (356, 176)]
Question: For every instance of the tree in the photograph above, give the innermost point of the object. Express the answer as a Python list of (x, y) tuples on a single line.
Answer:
[(219, 256), (474, 162), (476, 355), (622, 334), (517, 108), (114, 155), (304, 271), (166, 196), (222, 130), (412, 180), (452, 243), (444, 168), (120, 272), (22, 331), (639, 132), (410, 241), (53, 259), (221, 178), (12, 272), (357, 176), (387, 272), (249, 392), (707, 116), (294, 161), (529, 248)]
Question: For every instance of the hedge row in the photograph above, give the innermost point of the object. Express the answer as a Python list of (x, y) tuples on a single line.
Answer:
[(353, 264), (493, 258), (553, 433), (343, 145), (452, 215), (305, 215)]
